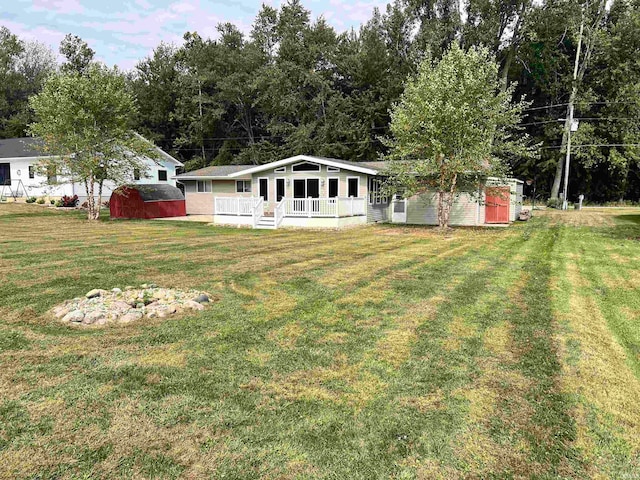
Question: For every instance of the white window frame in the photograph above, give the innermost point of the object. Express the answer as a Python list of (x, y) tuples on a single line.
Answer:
[(331, 169), (31, 172), (267, 179), (283, 180), (305, 171), (244, 186), (205, 184), (374, 187), (357, 188), (280, 170), (328, 180)]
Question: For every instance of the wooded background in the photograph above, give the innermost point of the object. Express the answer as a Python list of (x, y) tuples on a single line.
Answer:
[(296, 86)]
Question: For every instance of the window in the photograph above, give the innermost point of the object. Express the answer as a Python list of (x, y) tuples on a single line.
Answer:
[(162, 175), (353, 184), (264, 188), (280, 189), (305, 167), (243, 186), (5, 174), (203, 186), (32, 172), (375, 189), (334, 187), (333, 169), (136, 174), (280, 170)]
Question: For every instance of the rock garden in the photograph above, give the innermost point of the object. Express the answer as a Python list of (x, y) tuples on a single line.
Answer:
[(99, 307)]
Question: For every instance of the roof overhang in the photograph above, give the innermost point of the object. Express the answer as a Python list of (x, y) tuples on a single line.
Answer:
[(207, 177), (307, 158)]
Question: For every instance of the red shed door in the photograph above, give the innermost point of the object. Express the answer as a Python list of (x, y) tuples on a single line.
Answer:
[(497, 205)]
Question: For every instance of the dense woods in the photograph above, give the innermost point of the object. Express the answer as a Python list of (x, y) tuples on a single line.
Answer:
[(296, 86)]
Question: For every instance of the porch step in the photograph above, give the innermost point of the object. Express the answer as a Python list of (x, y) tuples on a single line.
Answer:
[(267, 222)]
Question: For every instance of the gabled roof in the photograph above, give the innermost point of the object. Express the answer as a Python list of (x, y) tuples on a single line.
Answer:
[(213, 172), (332, 162), (27, 147)]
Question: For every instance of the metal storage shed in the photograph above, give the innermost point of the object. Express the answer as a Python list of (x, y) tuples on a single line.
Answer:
[(147, 201)]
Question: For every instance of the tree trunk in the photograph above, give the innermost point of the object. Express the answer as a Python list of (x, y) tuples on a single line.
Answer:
[(91, 201), (99, 206), (511, 51), (445, 202)]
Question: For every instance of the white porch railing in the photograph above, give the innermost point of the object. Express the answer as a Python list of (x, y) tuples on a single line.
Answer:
[(257, 210), (234, 206), (292, 207), (324, 207), (279, 212)]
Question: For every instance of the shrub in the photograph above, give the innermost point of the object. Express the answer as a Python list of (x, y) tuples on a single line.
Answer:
[(68, 201), (58, 203), (554, 203), (52, 202), (31, 200)]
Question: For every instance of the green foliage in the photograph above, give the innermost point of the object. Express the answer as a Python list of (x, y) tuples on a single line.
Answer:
[(84, 120), (453, 127), (40, 201), (31, 200)]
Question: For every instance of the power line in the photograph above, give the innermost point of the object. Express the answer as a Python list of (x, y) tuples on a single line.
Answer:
[(594, 145)]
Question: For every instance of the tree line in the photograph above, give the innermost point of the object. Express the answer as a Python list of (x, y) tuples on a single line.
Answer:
[(294, 85)]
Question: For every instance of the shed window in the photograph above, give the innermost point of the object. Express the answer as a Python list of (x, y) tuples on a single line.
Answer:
[(333, 169), (305, 167), (280, 170), (203, 186), (32, 172), (162, 175), (136, 174), (243, 186)]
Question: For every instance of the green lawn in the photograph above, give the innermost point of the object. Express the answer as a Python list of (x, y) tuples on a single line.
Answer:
[(377, 352)]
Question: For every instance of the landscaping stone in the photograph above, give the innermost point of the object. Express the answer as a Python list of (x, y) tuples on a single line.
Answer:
[(202, 298), (100, 307), (193, 305), (96, 292), (75, 316)]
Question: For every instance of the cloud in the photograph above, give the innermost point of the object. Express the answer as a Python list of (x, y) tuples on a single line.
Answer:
[(123, 32)]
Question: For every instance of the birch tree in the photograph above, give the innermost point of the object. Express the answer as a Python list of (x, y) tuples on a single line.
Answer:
[(83, 120), (453, 127)]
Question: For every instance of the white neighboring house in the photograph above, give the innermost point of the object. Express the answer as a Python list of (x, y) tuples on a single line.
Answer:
[(19, 175)]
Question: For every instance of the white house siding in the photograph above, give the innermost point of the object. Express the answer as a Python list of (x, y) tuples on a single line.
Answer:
[(466, 210), (323, 175), (35, 187), (38, 187)]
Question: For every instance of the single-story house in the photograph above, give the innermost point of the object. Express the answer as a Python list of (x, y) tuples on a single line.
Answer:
[(307, 191), (20, 177)]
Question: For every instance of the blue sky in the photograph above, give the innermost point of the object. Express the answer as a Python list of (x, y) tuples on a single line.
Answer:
[(125, 31)]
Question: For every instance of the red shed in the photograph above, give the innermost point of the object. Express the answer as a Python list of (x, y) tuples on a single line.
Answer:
[(147, 201)]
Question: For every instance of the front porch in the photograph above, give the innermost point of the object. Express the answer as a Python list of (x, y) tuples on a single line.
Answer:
[(291, 212)]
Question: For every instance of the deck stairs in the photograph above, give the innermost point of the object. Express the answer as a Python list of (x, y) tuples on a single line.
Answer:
[(267, 222)]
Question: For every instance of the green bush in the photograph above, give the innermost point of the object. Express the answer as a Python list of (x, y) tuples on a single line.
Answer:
[(40, 201), (58, 203), (52, 202), (554, 203), (31, 200)]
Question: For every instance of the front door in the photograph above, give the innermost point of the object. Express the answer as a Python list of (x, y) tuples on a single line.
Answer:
[(497, 205), (5, 174), (399, 209)]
